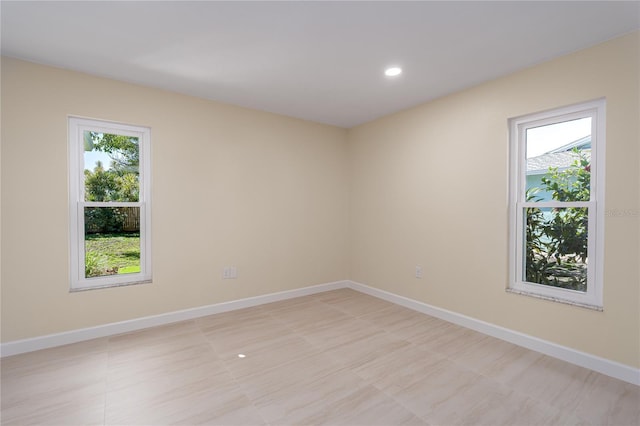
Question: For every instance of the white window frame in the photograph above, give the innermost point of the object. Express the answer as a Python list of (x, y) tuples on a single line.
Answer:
[(77, 203), (518, 126)]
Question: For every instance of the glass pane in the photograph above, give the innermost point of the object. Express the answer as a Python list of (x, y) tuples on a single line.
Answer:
[(559, 161), (111, 167), (112, 240), (555, 247)]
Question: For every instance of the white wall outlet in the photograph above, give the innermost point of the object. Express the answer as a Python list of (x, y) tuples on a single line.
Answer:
[(418, 271), (229, 273)]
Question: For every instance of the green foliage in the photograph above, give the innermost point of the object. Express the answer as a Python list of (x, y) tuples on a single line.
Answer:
[(110, 185), (569, 226), (123, 150), (121, 181), (108, 249), (536, 252), (103, 220), (556, 243), (101, 184), (94, 264), (573, 184), (108, 254), (118, 183), (128, 187)]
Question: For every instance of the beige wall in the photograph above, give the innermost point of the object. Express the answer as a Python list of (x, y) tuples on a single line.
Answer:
[(231, 186), (292, 203), (429, 188)]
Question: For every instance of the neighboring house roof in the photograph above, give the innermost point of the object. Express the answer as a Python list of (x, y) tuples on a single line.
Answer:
[(581, 143), (562, 160)]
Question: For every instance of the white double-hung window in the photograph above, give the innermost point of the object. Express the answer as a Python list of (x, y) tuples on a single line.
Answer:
[(109, 204), (557, 204)]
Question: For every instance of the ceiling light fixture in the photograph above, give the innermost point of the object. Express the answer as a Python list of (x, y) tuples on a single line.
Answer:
[(393, 71)]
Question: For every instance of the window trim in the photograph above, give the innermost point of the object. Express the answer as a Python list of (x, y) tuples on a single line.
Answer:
[(593, 297), (77, 203)]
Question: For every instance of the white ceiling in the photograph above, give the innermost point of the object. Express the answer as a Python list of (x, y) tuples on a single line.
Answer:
[(320, 61)]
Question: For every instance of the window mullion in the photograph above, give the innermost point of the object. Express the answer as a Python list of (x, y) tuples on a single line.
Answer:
[(556, 204), (111, 203)]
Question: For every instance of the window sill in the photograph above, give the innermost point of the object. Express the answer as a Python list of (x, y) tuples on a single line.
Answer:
[(556, 299), (101, 287)]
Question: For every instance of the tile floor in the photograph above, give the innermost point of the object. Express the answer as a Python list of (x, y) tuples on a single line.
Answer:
[(337, 358)]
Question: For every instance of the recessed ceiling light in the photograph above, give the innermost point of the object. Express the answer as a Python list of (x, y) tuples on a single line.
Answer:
[(393, 71)]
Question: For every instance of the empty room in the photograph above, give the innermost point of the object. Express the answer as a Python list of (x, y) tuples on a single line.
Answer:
[(305, 213)]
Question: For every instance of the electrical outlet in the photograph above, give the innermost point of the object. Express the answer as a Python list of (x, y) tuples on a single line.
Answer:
[(229, 273), (418, 271)]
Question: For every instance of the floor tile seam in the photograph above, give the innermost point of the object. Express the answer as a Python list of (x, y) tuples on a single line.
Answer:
[(216, 354), (223, 364), (427, 350), (227, 327), (429, 345), (378, 330), (527, 395), (106, 379), (351, 313), (389, 395), (211, 343), (370, 322), (559, 410), (237, 383), (524, 392), (572, 411), (310, 328), (333, 306), (388, 328), (229, 353), (469, 369), (584, 392), (155, 355), (369, 382), (325, 351), (287, 324), (206, 339), (338, 310), (297, 333), (273, 367), (155, 342), (305, 338), (340, 364), (241, 383), (392, 335), (305, 384), (348, 416), (271, 316), (105, 394), (498, 384), (362, 384), (333, 347), (376, 310)]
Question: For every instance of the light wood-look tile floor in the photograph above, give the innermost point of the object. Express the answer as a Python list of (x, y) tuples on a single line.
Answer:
[(338, 358)]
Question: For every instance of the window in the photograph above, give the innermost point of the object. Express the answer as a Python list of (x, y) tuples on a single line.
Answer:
[(556, 204), (109, 204)]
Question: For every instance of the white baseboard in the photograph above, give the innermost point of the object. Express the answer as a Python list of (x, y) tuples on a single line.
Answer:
[(74, 336), (592, 362), (583, 359)]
